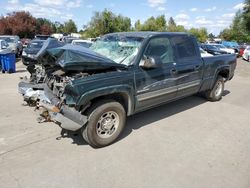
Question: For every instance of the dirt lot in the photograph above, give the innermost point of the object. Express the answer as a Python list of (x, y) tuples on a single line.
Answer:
[(189, 143)]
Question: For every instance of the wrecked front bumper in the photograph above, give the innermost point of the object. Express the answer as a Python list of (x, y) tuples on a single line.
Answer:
[(67, 117)]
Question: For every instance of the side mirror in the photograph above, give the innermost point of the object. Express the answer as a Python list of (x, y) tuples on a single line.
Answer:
[(151, 62)]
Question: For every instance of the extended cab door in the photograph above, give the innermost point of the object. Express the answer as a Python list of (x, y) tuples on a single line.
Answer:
[(156, 85), (189, 66)]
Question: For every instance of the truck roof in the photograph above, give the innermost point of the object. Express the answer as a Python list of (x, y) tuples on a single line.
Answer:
[(145, 34)]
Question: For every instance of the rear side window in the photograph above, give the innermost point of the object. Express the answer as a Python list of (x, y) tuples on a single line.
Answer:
[(185, 46)]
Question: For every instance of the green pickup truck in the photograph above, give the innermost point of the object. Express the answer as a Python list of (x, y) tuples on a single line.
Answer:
[(95, 89)]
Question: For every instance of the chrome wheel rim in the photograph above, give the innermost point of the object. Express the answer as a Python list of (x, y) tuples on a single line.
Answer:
[(107, 124), (218, 89)]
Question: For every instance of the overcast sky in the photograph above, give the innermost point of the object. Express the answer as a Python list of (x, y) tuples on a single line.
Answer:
[(215, 15)]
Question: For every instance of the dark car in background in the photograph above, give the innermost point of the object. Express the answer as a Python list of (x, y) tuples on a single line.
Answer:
[(31, 50), (212, 49)]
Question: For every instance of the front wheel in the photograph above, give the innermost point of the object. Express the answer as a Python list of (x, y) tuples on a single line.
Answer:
[(105, 123), (215, 94)]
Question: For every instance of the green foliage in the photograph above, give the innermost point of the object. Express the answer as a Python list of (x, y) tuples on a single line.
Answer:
[(211, 36), (238, 30), (69, 27), (201, 34), (154, 24), (246, 16), (172, 27), (107, 22), (137, 25), (58, 27)]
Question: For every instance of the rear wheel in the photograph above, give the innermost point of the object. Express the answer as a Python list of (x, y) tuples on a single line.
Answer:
[(215, 94), (106, 121)]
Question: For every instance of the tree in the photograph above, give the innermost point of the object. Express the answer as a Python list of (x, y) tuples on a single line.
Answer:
[(149, 25), (138, 25), (154, 24), (171, 25), (211, 36), (200, 33), (122, 23), (58, 27), (226, 34), (18, 23), (44, 26), (70, 27), (246, 15), (237, 30), (45, 29), (4, 27), (106, 22)]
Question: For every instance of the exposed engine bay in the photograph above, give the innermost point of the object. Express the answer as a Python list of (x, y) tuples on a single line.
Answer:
[(50, 87)]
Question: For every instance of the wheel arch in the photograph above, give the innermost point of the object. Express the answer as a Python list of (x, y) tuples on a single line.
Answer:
[(121, 94)]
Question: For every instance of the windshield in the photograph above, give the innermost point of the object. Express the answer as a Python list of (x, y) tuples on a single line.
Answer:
[(8, 39), (210, 47), (120, 49), (219, 46), (35, 44)]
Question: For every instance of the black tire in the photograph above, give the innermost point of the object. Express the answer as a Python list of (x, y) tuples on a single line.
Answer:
[(215, 94), (92, 131)]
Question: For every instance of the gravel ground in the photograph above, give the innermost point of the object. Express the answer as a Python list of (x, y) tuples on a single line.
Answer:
[(188, 143)]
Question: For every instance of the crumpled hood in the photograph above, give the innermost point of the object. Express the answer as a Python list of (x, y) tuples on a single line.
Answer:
[(78, 58), (48, 44)]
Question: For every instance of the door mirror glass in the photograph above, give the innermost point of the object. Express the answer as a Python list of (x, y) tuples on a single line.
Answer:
[(151, 62)]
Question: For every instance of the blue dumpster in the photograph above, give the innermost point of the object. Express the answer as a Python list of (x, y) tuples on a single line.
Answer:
[(8, 62)]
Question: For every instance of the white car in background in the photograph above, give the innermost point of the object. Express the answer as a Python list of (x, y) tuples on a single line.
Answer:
[(84, 43), (224, 48), (14, 43), (4, 47), (204, 53), (246, 53)]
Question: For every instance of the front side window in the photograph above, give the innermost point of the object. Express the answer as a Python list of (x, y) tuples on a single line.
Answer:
[(160, 48)]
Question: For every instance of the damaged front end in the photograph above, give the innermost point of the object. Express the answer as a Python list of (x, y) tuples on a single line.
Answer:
[(56, 96), (54, 109)]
